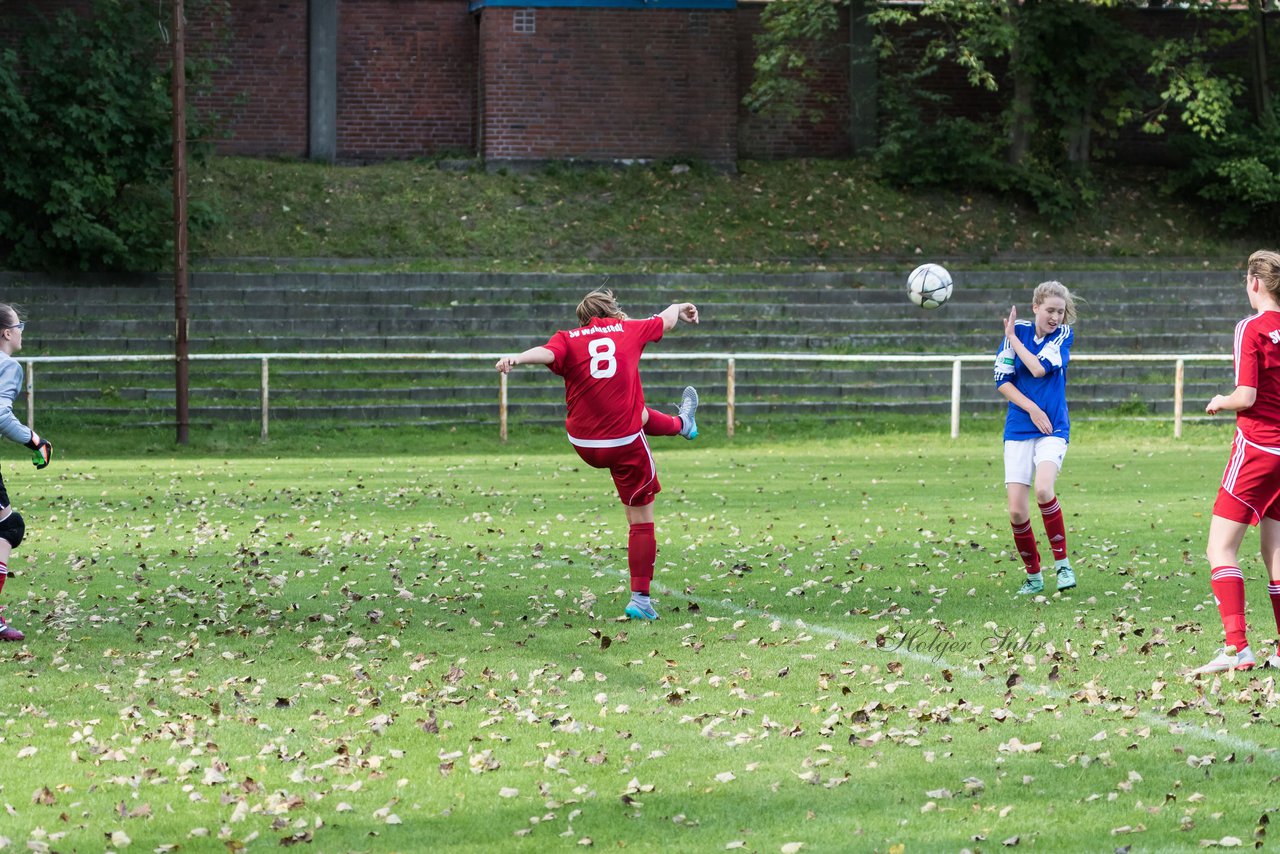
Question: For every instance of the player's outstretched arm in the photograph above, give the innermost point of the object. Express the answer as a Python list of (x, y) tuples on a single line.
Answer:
[(1242, 398), (13, 429), (676, 312), (532, 356)]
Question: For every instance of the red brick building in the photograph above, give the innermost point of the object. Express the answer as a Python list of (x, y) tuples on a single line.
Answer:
[(591, 80), (602, 83), (509, 81)]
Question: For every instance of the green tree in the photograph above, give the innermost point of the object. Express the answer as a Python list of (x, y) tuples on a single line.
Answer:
[(795, 36), (1229, 113), (1067, 69), (85, 138), (1065, 75)]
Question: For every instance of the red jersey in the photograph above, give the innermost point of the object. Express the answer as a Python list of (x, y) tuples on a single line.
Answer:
[(600, 363), (1257, 360)]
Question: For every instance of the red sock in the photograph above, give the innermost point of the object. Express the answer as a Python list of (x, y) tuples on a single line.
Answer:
[(1054, 528), (1024, 539), (662, 425), (642, 552), (1273, 590), (1228, 592), (4, 573)]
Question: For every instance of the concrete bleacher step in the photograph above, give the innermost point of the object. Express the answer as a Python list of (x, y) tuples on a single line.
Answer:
[(818, 313)]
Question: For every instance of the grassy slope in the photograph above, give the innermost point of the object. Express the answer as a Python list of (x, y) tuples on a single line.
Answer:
[(769, 215)]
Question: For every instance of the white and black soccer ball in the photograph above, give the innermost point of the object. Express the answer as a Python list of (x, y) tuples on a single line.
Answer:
[(929, 285)]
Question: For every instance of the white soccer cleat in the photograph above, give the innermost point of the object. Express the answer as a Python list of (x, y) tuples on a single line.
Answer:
[(1227, 659), (688, 408)]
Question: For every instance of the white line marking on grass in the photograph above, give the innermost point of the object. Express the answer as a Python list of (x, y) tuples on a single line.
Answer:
[(1222, 739)]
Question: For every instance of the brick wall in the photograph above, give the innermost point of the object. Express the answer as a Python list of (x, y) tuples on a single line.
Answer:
[(764, 136), (259, 86), (605, 84), (406, 78)]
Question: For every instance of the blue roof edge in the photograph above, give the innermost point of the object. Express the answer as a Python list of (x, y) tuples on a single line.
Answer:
[(477, 5)]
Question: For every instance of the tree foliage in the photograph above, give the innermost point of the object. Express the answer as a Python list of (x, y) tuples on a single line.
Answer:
[(1068, 77), (86, 138), (794, 36), (1236, 170)]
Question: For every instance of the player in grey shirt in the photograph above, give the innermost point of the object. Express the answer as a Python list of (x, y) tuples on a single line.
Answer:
[(11, 377)]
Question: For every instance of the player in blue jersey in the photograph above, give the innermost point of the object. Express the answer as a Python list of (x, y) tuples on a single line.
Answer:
[(1031, 373)]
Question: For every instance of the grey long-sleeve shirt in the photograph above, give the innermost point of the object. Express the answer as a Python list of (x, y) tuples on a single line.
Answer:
[(11, 377)]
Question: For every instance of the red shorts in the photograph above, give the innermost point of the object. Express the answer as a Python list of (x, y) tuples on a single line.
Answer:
[(1251, 484), (634, 472)]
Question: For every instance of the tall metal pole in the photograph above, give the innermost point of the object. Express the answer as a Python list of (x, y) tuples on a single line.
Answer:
[(181, 379)]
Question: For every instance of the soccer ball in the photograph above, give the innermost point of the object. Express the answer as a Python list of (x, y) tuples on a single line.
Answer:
[(929, 285)]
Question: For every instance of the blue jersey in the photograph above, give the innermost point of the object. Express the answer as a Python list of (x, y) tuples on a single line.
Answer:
[(1048, 392)]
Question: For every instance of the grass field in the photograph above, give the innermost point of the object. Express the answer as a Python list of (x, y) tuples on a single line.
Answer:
[(401, 642)]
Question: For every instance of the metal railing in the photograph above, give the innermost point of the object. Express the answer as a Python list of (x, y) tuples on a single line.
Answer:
[(1177, 361)]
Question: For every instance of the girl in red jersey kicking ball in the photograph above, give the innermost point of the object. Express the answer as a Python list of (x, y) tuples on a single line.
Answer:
[(608, 420), (1250, 491)]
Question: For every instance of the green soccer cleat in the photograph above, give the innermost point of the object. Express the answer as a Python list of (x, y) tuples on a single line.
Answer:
[(1033, 585), (635, 612), (1066, 577)]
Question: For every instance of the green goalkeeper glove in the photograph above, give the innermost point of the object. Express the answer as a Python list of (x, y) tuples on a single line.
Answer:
[(43, 450)]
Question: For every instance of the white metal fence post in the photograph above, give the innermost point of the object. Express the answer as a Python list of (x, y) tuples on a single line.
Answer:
[(1179, 383), (730, 393), (502, 406), (955, 399), (266, 396)]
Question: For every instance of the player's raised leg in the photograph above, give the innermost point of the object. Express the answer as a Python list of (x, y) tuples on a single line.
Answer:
[(660, 424), (681, 424), (688, 409)]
